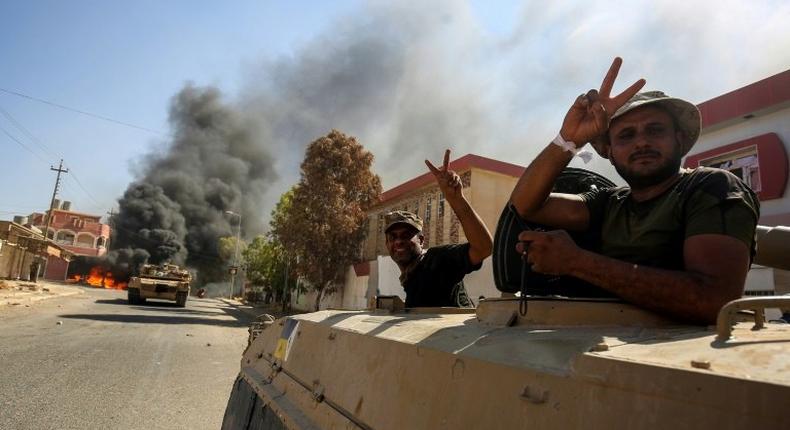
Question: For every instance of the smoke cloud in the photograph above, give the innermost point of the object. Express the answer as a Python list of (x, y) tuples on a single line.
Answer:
[(176, 210), (409, 81)]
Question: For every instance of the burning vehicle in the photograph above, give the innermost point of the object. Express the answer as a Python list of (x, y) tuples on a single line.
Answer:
[(100, 277), (165, 281)]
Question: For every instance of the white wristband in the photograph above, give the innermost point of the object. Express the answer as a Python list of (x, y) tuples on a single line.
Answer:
[(565, 145), (586, 156)]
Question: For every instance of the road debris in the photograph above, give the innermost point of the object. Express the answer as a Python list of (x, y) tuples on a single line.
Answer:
[(59, 323)]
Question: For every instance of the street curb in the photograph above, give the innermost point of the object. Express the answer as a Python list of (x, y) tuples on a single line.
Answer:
[(33, 299)]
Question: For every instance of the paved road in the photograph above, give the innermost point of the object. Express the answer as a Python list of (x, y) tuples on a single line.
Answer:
[(114, 366)]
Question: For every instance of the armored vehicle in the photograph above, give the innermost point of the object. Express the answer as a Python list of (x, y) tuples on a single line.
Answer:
[(165, 281), (527, 360), (564, 363)]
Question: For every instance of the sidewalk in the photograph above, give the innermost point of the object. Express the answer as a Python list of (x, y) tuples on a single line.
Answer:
[(24, 293)]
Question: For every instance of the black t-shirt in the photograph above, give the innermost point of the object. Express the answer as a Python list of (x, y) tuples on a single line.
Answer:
[(703, 201), (436, 279)]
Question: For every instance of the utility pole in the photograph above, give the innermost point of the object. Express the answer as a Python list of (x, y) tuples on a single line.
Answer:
[(60, 170), (235, 268), (111, 223)]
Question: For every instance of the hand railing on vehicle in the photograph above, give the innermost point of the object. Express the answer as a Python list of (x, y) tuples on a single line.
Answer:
[(726, 318)]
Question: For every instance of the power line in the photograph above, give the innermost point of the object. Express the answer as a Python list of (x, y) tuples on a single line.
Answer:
[(19, 142), (46, 149), (27, 132), (79, 111), (87, 193)]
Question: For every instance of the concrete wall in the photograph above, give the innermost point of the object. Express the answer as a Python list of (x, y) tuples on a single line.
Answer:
[(389, 282), (15, 262), (352, 295), (760, 278), (489, 193)]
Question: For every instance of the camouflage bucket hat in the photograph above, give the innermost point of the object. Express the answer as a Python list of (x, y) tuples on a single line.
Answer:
[(686, 115), (402, 217)]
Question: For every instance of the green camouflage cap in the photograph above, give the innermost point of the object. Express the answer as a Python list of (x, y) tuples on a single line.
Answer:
[(402, 217), (687, 118)]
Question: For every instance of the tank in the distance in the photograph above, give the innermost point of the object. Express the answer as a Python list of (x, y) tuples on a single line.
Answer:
[(164, 281)]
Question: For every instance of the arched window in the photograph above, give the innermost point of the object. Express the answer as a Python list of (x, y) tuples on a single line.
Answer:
[(84, 240), (65, 237)]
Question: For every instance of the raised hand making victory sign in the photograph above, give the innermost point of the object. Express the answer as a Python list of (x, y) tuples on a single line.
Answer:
[(434, 276), (449, 181), (589, 115), (683, 263)]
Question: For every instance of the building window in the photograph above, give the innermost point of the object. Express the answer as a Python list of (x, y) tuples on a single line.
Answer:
[(742, 163), (440, 206), (466, 179), (65, 237), (84, 240), (428, 208)]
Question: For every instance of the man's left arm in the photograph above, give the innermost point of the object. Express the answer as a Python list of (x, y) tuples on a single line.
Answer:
[(715, 271), (475, 230)]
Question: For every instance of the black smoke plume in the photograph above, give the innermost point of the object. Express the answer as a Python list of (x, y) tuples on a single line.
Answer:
[(175, 211)]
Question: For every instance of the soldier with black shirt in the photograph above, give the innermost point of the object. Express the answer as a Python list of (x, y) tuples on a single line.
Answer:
[(676, 241), (434, 277)]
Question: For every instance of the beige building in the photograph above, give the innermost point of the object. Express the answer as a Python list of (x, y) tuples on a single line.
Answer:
[(487, 186), (23, 246)]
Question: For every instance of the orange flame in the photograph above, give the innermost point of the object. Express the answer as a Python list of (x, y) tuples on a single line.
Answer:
[(101, 278)]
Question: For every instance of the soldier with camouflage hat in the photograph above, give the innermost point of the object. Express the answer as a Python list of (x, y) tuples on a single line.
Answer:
[(434, 277), (677, 241)]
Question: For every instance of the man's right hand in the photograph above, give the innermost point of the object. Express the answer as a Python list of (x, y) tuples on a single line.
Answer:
[(588, 118)]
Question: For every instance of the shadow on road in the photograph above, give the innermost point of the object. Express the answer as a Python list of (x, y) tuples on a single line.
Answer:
[(152, 306), (242, 321)]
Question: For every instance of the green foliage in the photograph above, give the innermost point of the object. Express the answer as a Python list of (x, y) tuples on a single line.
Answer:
[(266, 261), (323, 222), (267, 266), (226, 247)]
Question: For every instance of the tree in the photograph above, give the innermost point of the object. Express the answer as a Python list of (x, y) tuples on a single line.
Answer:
[(267, 262), (325, 223), (226, 247), (264, 261), (285, 258)]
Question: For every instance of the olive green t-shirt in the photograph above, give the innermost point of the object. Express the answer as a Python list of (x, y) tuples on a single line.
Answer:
[(703, 201)]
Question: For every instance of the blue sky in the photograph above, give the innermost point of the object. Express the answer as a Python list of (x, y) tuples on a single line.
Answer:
[(122, 60), (509, 67)]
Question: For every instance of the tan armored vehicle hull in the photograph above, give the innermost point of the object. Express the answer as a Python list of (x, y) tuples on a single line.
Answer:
[(167, 282), (556, 364), (567, 364)]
